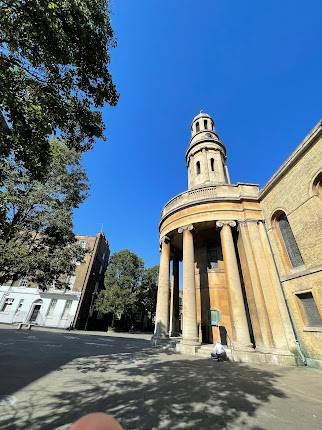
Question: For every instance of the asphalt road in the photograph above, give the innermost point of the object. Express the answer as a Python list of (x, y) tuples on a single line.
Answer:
[(49, 379)]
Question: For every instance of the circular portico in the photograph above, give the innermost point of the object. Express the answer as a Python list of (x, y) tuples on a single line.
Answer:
[(199, 228)]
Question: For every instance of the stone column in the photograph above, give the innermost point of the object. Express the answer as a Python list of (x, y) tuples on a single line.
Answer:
[(189, 329), (174, 306), (161, 329), (264, 325), (281, 325), (239, 319)]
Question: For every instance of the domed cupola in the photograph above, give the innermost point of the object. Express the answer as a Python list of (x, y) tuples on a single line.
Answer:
[(206, 156)]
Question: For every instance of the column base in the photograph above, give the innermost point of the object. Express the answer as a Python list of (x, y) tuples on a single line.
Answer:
[(175, 334), (159, 338), (235, 345), (186, 348), (164, 343), (270, 356), (194, 341), (161, 331)]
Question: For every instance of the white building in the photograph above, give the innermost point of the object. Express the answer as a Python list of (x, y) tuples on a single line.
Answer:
[(54, 308), (23, 302)]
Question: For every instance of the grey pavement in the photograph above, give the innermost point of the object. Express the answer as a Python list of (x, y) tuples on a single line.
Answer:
[(50, 378)]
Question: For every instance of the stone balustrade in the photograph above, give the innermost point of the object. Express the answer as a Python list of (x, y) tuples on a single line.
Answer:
[(211, 193)]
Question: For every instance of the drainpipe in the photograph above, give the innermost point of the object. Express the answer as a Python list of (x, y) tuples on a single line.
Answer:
[(297, 340)]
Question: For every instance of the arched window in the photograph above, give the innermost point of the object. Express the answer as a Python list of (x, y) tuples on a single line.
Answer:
[(198, 167), (317, 186), (197, 127), (212, 164), (205, 124), (289, 241)]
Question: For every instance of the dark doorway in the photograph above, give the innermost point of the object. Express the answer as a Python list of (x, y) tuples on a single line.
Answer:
[(34, 313)]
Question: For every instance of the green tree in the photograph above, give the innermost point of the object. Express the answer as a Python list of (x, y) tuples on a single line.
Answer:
[(147, 297), (115, 300), (54, 78), (36, 218), (122, 281)]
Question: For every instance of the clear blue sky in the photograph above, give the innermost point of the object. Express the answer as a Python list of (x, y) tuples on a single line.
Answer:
[(255, 66)]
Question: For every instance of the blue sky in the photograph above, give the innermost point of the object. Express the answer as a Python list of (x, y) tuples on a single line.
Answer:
[(255, 66)]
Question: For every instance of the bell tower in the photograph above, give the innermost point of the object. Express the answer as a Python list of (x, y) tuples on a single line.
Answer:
[(206, 156)]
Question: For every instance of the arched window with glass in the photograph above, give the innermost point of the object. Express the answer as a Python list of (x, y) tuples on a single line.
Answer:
[(288, 240), (317, 186)]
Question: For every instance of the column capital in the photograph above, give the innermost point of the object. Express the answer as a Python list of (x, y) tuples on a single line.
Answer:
[(220, 224), (185, 227), (165, 239)]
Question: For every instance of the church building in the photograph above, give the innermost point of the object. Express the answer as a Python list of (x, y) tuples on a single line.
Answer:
[(251, 258)]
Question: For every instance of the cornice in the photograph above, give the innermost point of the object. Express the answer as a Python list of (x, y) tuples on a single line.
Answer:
[(208, 141)]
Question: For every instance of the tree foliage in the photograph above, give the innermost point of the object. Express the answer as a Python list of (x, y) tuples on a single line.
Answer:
[(147, 297), (36, 238), (129, 287), (122, 281), (54, 78)]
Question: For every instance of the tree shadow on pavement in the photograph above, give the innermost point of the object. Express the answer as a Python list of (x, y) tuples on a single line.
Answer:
[(151, 390), (27, 356)]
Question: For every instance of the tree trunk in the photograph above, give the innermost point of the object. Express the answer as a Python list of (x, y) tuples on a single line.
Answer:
[(113, 322)]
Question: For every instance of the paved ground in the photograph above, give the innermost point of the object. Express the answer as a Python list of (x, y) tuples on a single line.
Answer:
[(48, 379)]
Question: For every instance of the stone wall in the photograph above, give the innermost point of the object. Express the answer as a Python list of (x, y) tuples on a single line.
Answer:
[(291, 190)]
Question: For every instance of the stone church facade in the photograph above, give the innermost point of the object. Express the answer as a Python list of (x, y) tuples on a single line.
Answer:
[(251, 258)]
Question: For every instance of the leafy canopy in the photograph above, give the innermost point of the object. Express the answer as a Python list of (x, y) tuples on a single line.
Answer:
[(54, 78), (36, 238), (147, 297), (123, 278)]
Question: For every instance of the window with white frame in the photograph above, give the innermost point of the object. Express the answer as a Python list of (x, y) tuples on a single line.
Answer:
[(71, 281), (7, 304), (67, 307), (23, 282), (83, 244), (20, 305), (51, 307)]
